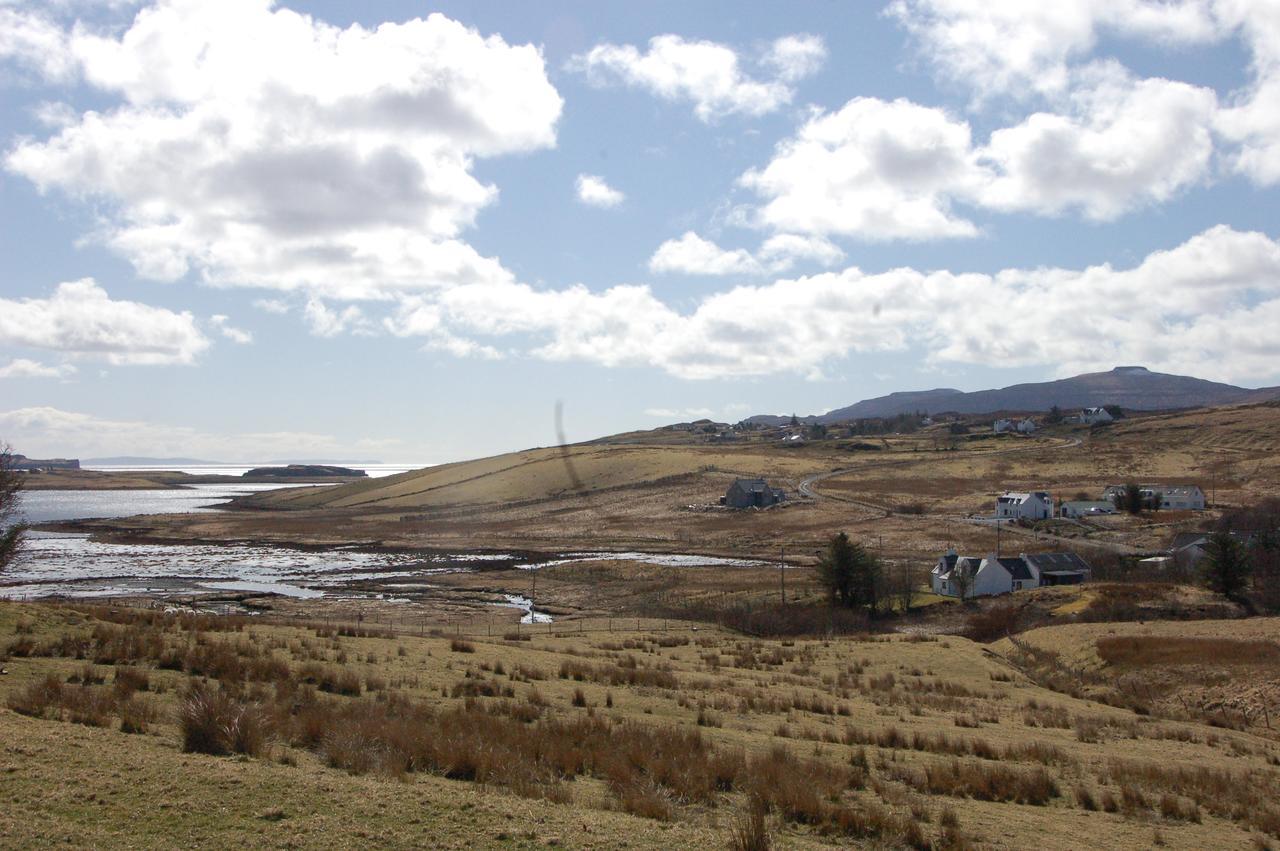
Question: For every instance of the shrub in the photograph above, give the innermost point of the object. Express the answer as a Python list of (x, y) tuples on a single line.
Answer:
[(218, 724), (457, 645)]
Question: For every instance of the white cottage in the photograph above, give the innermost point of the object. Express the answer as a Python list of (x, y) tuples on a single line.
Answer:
[(1091, 416), (1033, 505)]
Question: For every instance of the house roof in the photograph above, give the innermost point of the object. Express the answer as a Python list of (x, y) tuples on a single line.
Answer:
[(1019, 498), (1086, 504), (1017, 567), (752, 485), (1057, 563)]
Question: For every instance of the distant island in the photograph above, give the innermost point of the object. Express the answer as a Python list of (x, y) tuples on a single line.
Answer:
[(142, 460), (33, 465), (293, 471)]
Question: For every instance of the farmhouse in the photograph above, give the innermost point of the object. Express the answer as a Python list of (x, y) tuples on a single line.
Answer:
[(1026, 426), (1086, 508), (954, 573), (1035, 505), (1189, 548), (994, 574), (1001, 426), (1172, 497), (752, 493), (1092, 416)]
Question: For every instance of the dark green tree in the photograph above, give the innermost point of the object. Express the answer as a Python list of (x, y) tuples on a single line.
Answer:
[(1055, 415), (1129, 499), (1225, 567), (850, 574), (10, 529)]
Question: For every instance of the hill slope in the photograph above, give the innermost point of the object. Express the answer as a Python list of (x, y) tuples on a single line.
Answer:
[(1132, 387)]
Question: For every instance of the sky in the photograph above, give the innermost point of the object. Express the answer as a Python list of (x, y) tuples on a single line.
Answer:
[(404, 231)]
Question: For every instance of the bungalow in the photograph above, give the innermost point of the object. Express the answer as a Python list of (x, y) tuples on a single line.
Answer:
[(1086, 508), (1035, 505), (752, 493), (1026, 426), (1092, 416), (1005, 574), (1190, 547), (1172, 497), (1001, 426)]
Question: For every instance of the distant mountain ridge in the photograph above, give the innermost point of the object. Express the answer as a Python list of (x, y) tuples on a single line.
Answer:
[(1133, 387)]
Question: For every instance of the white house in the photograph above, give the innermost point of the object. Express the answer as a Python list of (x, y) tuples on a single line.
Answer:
[(953, 572), (1036, 505), (1026, 426), (1006, 574), (1172, 497), (1090, 416), (1001, 426)]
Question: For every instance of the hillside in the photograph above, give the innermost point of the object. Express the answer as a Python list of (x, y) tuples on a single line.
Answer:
[(1132, 387)]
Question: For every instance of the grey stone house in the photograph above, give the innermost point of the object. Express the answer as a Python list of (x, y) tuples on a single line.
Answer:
[(752, 493)]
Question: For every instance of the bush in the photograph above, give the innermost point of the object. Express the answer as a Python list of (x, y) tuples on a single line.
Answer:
[(218, 724)]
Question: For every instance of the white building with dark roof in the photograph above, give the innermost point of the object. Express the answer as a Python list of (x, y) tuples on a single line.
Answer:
[(752, 493), (1032, 505)]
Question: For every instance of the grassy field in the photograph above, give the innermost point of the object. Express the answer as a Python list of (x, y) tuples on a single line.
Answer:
[(324, 737)]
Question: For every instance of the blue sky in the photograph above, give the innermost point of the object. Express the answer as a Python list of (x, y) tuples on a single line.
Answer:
[(403, 231)]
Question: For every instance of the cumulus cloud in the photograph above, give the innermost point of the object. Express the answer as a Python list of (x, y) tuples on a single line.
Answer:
[(81, 319), (1126, 144), (325, 321), (795, 57), (690, 254), (258, 146), (47, 431), (876, 170), (595, 192), (1012, 48), (1206, 306), (226, 329), (1252, 119), (26, 368), (873, 169), (705, 73)]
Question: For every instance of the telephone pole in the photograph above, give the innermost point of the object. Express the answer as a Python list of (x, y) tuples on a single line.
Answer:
[(782, 574)]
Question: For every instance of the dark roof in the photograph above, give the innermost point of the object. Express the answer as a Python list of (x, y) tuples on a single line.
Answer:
[(752, 485), (1057, 562), (1017, 567)]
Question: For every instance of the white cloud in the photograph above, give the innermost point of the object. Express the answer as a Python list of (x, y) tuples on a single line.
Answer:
[(31, 40), (1128, 143), (780, 251), (25, 368), (81, 319), (46, 431), (690, 254), (708, 74), (877, 170), (594, 192), (272, 305), (257, 146), (874, 170), (795, 57), (1206, 307), (327, 322), (235, 335), (693, 255), (1253, 120), (1011, 47)]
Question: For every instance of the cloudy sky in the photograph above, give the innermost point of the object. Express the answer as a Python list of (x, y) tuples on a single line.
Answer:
[(397, 230)]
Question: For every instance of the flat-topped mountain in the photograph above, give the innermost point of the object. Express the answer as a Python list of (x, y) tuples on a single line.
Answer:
[(1132, 387)]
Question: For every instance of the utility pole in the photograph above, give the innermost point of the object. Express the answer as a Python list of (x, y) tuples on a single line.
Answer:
[(782, 574)]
